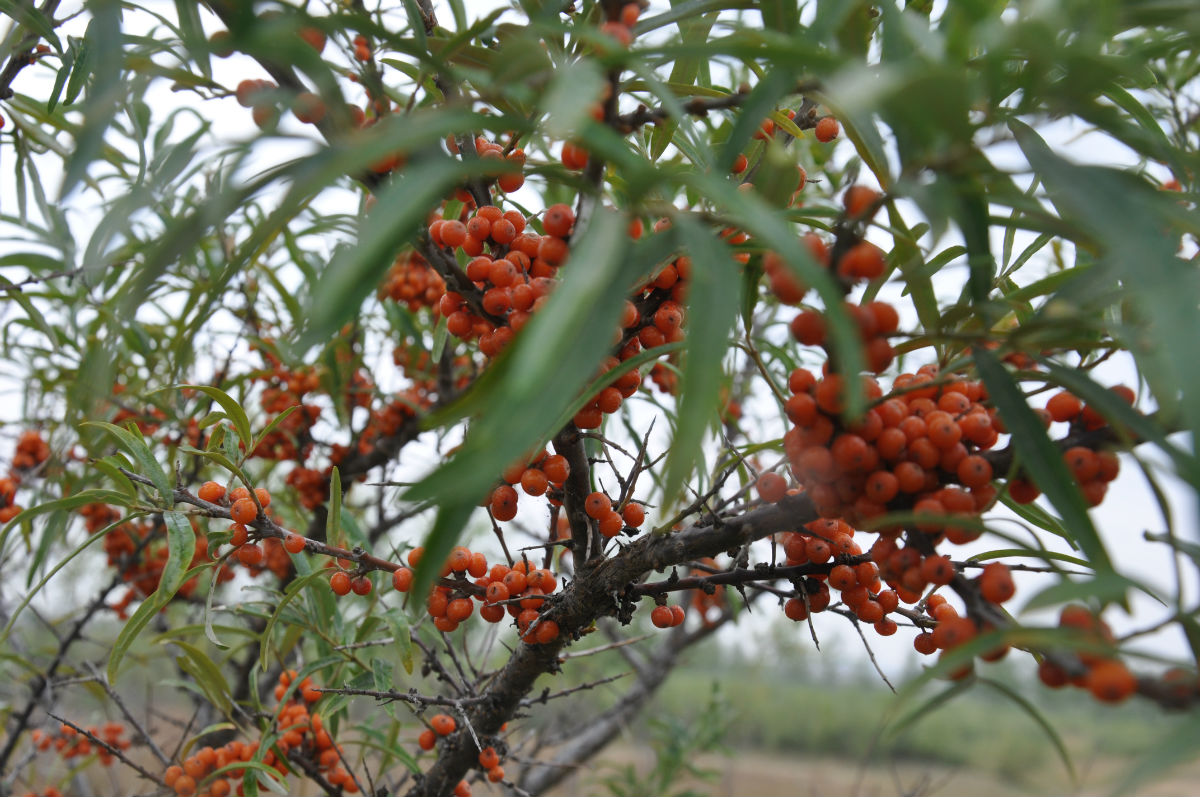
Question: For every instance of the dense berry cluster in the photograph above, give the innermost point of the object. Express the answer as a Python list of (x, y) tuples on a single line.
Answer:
[(70, 743), (298, 739)]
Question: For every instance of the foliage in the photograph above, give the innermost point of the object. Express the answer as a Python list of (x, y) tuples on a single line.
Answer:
[(796, 304)]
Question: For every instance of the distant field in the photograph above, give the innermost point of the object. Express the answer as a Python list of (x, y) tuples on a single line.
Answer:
[(778, 775)]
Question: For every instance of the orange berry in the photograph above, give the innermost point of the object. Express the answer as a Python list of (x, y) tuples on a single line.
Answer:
[(558, 220), (462, 789), (858, 199), (442, 724), (427, 739), (827, 129), (1110, 681), (495, 774), (243, 511), (771, 487), (1064, 407), (211, 492), (293, 543), (488, 758), (996, 583), (633, 515), (597, 505), (185, 786), (339, 582), (361, 585)]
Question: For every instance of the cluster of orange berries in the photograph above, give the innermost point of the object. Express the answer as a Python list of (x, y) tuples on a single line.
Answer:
[(541, 474), (518, 591), (507, 182), (904, 452), (514, 278), (269, 554), (31, 452), (1105, 677), (49, 791), (70, 743), (664, 616), (441, 725), (610, 522), (620, 26), (301, 734), (142, 571), (412, 282)]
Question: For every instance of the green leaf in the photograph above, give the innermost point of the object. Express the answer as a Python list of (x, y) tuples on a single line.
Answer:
[(206, 674), (241, 423), (402, 634), (333, 519), (181, 548), (293, 589), (569, 98), (99, 535), (35, 20), (1041, 458), (1107, 587), (693, 31), (1037, 716), (136, 447), (713, 302), (103, 41)]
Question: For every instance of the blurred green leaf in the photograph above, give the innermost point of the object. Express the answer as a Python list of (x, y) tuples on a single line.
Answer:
[(1041, 458)]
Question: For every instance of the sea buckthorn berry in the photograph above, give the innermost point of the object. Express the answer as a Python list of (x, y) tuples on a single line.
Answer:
[(462, 789), (610, 524), (504, 502), (361, 585), (460, 609), (795, 609), (556, 468), (937, 570), (661, 617), (974, 471), (546, 632), (597, 505), (1110, 681), (495, 774), (496, 591), (558, 220), (402, 579), (633, 515), (211, 492), (250, 554), (827, 129), (427, 739), (1064, 407), (516, 582), (442, 724), (243, 511), (678, 614), (240, 535), (478, 567), (771, 487), (293, 543), (996, 583), (488, 758), (858, 199), (924, 644), (339, 582)]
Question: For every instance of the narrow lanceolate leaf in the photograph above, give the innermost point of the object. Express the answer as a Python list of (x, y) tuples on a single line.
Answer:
[(241, 423), (181, 548), (206, 674), (103, 40), (693, 31), (1034, 714), (354, 272), (402, 636), (1124, 219), (712, 309), (136, 447), (1040, 457), (333, 521)]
